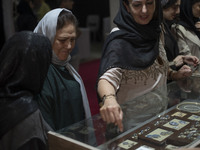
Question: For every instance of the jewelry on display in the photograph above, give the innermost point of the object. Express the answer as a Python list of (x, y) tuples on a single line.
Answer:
[(166, 133), (182, 122), (135, 136), (192, 107), (153, 136), (173, 123)]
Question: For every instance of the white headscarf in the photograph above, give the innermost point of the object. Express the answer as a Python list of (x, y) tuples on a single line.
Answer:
[(47, 26)]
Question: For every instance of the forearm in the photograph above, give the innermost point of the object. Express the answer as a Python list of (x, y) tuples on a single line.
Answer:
[(110, 110), (182, 73), (105, 88)]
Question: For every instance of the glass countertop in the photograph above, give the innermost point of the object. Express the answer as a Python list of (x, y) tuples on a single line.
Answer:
[(95, 132)]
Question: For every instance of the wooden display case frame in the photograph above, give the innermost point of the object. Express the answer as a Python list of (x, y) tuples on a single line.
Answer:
[(57, 141)]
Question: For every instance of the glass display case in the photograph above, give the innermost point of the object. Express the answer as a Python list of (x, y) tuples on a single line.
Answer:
[(177, 125)]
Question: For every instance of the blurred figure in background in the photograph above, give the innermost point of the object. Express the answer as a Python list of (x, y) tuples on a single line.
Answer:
[(26, 19), (40, 8), (188, 35), (171, 11)]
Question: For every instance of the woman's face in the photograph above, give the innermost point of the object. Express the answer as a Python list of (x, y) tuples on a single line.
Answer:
[(172, 12), (64, 41), (141, 10), (196, 9)]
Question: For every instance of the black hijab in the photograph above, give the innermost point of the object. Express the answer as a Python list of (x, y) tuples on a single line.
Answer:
[(25, 59), (134, 46), (186, 16), (171, 45)]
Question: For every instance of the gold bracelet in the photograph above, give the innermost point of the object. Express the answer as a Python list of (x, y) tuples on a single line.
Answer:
[(107, 96)]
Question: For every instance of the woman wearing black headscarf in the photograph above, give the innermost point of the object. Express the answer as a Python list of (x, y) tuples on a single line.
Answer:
[(188, 36), (134, 63), (171, 10), (25, 59)]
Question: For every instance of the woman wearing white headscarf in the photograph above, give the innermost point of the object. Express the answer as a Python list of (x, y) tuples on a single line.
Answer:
[(63, 100)]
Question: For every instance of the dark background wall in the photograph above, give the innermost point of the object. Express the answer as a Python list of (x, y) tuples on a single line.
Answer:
[(2, 37), (82, 8)]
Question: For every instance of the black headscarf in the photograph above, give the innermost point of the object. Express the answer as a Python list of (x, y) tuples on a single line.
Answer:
[(25, 59), (134, 46), (167, 3), (171, 45), (186, 16)]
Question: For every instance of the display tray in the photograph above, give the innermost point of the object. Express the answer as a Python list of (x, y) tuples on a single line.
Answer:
[(174, 129), (196, 74), (192, 107)]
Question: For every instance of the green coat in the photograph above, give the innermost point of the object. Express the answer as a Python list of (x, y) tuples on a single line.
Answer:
[(61, 101)]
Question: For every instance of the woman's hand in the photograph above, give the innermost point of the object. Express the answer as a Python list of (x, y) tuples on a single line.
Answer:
[(184, 72), (191, 60), (178, 61), (111, 112), (188, 59)]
